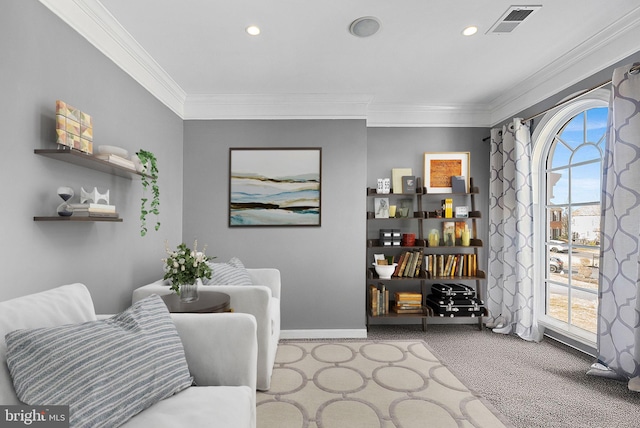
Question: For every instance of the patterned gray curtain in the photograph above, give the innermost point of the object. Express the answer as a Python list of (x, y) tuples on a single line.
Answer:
[(510, 276), (619, 305)]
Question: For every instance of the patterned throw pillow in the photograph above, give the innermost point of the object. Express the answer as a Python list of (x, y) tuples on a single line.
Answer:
[(107, 371), (232, 272)]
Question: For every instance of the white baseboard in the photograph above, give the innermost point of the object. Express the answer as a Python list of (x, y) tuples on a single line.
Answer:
[(324, 334)]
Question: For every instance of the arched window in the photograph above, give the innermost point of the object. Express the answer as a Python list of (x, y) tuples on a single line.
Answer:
[(568, 157)]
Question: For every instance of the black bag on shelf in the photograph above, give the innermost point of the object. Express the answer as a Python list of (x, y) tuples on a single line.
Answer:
[(456, 291), (444, 310), (465, 303)]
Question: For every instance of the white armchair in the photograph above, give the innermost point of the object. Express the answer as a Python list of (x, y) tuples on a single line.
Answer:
[(262, 300), (220, 350)]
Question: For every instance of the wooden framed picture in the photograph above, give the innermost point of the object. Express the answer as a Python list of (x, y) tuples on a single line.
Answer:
[(275, 186), (439, 167)]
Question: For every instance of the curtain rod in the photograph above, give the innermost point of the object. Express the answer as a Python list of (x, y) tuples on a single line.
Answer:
[(634, 69)]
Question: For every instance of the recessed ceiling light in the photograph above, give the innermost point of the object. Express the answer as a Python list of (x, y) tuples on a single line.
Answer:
[(365, 26), (253, 30), (470, 31)]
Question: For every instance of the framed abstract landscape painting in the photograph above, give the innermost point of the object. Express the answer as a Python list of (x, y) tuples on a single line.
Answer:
[(275, 186)]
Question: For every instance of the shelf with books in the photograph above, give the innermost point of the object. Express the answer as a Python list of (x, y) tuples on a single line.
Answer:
[(397, 237), (405, 304), (87, 160), (459, 261), (66, 154), (453, 216)]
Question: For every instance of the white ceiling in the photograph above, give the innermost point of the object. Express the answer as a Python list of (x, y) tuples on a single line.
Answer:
[(418, 70)]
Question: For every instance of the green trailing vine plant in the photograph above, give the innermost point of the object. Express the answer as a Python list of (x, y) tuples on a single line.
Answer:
[(149, 180)]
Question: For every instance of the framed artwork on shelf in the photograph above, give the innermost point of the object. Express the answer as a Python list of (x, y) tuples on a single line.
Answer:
[(381, 207), (439, 167), (275, 186), (408, 184)]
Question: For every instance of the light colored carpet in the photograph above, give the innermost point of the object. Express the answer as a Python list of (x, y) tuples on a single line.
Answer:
[(351, 384)]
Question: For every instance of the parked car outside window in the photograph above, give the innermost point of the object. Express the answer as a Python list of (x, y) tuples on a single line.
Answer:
[(556, 265), (556, 246)]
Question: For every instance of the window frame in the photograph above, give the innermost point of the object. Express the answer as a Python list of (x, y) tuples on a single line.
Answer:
[(542, 139)]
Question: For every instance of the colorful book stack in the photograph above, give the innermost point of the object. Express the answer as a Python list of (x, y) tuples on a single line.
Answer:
[(409, 264), (408, 303), (94, 210), (379, 298), (74, 128), (451, 265), (455, 300)]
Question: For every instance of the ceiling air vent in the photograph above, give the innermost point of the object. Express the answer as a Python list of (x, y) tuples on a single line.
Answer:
[(513, 17)]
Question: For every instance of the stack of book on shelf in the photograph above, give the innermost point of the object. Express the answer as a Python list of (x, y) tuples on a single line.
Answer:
[(408, 303), (379, 298), (409, 264), (94, 210), (451, 265), (117, 160), (455, 300)]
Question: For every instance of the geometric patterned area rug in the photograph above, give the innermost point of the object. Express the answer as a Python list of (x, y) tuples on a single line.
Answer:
[(367, 384)]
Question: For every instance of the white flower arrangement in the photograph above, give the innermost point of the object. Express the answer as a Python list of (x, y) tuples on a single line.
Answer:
[(185, 266)]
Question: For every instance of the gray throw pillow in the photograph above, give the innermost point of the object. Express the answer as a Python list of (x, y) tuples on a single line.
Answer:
[(106, 371), (232, 272)]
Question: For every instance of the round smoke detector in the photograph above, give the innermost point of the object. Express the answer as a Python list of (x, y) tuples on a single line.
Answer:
[(365, 26)]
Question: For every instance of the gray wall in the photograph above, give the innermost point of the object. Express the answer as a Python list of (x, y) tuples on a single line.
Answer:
[(321, 267), (43, 59)]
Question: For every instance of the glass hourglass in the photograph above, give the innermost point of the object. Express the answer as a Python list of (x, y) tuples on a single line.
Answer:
[(66, 193)]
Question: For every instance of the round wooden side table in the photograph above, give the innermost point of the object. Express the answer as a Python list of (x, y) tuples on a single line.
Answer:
[(210, 302)]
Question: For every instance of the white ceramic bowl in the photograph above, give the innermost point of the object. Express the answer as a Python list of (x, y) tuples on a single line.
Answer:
[(113, 150), (385, 271)]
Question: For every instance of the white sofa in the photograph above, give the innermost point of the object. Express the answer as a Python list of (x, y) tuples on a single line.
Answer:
[(262, 300), (221, 352)]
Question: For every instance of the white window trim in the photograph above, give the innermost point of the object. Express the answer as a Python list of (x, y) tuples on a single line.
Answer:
[(545, 131)]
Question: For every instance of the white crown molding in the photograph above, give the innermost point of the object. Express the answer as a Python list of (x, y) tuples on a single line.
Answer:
[(272, 106), (92, 21), (616, 42), (415, 115)]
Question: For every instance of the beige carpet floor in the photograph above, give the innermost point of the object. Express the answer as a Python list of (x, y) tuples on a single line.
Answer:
[(368, 384)]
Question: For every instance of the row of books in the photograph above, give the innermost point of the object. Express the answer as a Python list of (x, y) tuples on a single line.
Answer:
[(94, 210), (451, 265), (379, 298), (409, 264), (405, 302)]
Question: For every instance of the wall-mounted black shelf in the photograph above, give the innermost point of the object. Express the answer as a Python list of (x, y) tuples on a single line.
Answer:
[(66, 154), (74, 219)]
